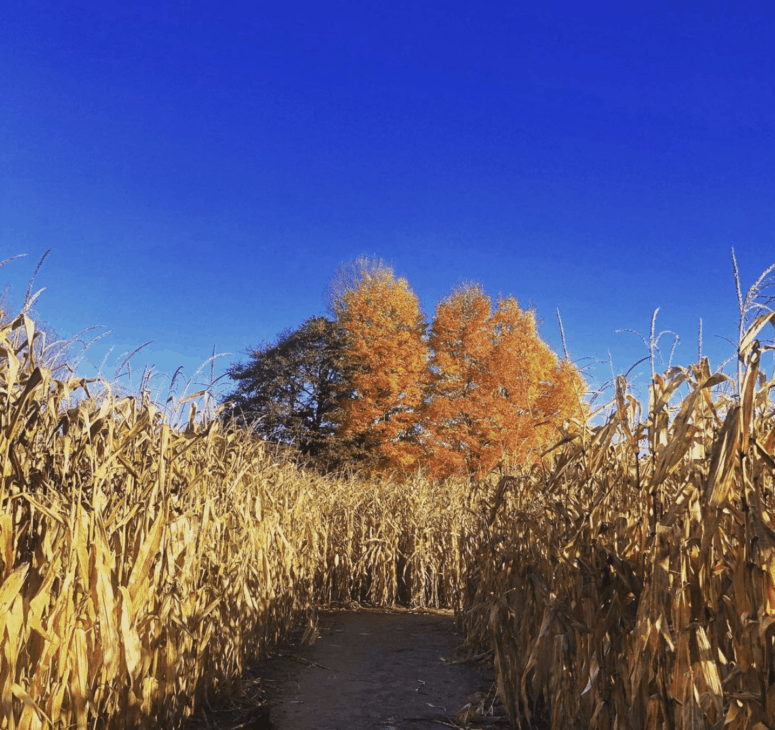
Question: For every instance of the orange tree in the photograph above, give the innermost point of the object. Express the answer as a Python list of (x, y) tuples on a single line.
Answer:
[(536, 392), (384, 334), (457, 429), (495, 387)]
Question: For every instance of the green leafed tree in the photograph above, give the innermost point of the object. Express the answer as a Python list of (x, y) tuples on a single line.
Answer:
[(287, 390)]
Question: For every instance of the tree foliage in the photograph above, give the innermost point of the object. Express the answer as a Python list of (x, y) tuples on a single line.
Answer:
[(349, 276), (383, 333), (456, 418), (288, 390), (369, 388), (495, 389)]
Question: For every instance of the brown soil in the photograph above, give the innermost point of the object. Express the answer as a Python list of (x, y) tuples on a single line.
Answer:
[(367, 669)]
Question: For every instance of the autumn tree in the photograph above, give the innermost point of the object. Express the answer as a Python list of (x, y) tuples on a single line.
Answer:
[(288, 390), (349, 275), (383, 331), (495, 389), (457, 426), (536, 392)]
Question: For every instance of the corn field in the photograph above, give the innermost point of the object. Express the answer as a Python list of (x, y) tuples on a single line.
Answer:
[(142, 566), (631, 583), (628, 582)]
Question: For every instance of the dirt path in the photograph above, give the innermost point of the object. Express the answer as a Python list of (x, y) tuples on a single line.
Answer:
[(370, 669)]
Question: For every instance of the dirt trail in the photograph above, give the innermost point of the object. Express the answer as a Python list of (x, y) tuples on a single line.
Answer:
[(368, 670)]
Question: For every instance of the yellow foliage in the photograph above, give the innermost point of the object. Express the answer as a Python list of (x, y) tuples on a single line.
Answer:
[(384, 335), (497, 391)]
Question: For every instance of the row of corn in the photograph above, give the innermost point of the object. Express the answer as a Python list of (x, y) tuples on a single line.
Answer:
[(142, 566), (626, 582), (630, 583)]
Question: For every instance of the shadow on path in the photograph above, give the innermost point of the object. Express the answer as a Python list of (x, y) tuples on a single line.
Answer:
[(372, 669)]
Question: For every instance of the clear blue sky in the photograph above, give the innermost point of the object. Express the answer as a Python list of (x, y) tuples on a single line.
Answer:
[(200, 168)]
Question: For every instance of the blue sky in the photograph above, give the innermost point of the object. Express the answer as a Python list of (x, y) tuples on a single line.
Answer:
[(200, 169)]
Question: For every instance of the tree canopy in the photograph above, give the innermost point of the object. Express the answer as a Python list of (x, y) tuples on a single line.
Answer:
[(349, 276), (288, 389), (375, 387), (383, 335), (496, 388), (457, 414)]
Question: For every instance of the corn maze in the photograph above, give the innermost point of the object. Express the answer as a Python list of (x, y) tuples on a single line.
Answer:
[(626, 582)]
